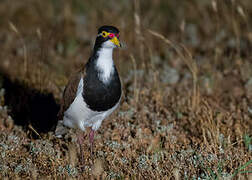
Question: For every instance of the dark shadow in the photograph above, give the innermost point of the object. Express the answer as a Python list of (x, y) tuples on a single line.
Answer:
[(30, 106)]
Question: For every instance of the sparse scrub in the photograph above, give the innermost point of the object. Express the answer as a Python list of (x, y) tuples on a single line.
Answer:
[(187, 80)]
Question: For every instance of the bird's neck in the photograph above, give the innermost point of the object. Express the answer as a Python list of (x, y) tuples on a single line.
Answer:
[(104, 63)]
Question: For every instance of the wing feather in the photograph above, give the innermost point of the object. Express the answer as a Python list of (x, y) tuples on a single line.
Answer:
[(70, 91)]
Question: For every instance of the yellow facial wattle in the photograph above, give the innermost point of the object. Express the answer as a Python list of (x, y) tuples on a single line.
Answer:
[(116, 41)]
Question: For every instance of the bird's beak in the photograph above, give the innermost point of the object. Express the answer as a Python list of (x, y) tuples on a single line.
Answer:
[(116, 41)]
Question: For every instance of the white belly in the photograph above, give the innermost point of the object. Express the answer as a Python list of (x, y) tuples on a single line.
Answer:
[(78, 115)]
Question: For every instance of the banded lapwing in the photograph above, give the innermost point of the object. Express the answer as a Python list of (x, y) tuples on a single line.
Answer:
[(94, 92)]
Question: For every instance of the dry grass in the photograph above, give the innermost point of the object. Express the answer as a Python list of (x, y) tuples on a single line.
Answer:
[(187, 76), (191, 64)]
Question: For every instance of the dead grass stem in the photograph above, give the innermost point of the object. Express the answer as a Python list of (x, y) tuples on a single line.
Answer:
[(25, 64), (136, 89), (189, 61)]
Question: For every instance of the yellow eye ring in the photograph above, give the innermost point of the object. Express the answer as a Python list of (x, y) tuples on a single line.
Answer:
[(104, 34)]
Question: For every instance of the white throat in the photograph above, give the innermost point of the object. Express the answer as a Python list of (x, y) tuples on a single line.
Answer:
[(105, 63)]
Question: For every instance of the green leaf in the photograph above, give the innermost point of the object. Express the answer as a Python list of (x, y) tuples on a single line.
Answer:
[(242, 167)]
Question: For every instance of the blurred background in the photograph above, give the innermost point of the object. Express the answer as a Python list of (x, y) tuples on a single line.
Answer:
[(186, 69)]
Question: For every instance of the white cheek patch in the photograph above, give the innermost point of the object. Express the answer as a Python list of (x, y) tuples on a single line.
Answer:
[(108, 44), (100, 34)]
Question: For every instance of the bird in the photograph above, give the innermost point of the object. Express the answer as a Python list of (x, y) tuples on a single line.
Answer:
[(94, 91)]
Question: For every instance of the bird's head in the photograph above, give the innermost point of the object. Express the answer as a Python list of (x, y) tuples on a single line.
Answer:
[(108, 37)]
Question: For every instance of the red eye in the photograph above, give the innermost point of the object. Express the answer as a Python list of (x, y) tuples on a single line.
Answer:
[(111, 35)]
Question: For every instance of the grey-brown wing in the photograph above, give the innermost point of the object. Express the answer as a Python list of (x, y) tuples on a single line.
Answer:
[(70, 92)]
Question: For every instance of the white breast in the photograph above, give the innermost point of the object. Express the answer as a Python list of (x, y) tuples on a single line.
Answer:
[(78, 115)]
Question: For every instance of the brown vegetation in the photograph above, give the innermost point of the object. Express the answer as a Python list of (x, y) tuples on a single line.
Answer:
[(186, 68)]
